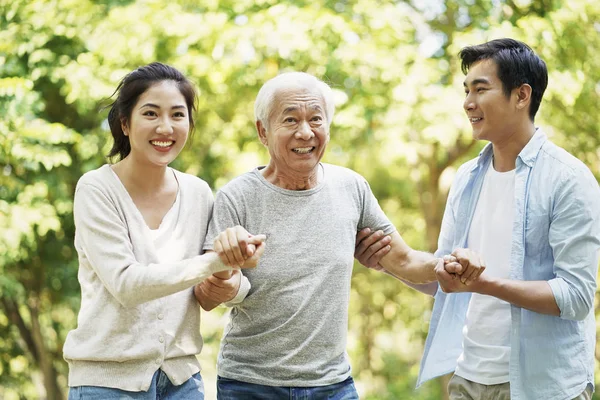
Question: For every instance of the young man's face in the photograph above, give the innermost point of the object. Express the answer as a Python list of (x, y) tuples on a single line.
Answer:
[(493, 116)]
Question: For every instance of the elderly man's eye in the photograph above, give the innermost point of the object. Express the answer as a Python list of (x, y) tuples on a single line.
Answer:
[(290, 119)]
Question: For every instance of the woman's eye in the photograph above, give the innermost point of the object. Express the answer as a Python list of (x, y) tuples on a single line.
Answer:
[(179, 115), (150, 113)]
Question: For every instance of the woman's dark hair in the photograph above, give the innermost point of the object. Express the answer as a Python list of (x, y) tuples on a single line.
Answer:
[(129, 91), (517, 64)]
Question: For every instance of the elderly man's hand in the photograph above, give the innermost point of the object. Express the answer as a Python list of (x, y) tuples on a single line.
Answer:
[(217, 289), (238, 248), (371, 247)]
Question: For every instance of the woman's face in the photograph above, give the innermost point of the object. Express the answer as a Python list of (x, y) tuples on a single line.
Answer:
[(159, 125)]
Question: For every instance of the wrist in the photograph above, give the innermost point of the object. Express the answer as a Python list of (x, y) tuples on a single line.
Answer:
[(484, 285)]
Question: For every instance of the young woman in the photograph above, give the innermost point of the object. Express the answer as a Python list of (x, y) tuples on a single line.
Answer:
[(140, 226)]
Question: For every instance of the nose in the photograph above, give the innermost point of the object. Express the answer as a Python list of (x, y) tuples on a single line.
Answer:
[(164, 126), (469, 104), (304, 132)]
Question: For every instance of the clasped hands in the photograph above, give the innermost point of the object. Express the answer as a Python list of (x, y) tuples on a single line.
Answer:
[(460, 271), (236, 248)]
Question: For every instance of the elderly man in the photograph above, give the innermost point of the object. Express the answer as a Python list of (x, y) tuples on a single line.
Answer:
[(287, 337)]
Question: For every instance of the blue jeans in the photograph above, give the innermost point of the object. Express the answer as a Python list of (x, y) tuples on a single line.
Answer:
[(230, 389), (161, 388)]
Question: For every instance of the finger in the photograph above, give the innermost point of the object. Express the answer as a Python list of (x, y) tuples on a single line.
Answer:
[(376, 258), (481, 269), (228, 255), (477, 272), (233, 237), (256, 239), (364, 249), (242, 240), (361, 235), (218, 248), (259, 251), (468, 273), (250, 249), (453, 268), (443, 277), (252, 262), (449, 258)]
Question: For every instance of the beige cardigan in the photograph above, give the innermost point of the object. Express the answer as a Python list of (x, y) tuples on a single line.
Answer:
[(137, 315)]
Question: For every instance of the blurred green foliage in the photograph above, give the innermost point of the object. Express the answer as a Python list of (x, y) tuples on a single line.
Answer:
[(399, 122)]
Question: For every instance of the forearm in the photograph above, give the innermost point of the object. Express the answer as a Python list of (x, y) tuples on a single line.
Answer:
[(416, 267), (135, 284), (532, 295), (407, 264)]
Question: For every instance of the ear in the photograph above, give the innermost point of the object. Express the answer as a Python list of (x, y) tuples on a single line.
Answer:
[(523, 96), (124, 127), (262, 133)]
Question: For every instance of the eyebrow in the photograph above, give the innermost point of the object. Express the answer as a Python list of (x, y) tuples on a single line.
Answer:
[(155, 106), (292, 109), (476, 81)]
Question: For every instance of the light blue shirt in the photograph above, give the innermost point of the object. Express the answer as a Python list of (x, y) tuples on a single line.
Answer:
[(555, 238)]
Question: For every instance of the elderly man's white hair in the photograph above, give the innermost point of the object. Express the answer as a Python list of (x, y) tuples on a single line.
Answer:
[(291, 80)]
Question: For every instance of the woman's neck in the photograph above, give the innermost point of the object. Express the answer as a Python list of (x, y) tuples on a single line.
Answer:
[(143, 178)]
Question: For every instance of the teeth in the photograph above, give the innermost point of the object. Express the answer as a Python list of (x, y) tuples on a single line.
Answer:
[(302, 150), (475, 119), (161, 144)]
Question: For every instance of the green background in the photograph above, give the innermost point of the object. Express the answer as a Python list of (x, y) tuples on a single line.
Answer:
[(399, 122)]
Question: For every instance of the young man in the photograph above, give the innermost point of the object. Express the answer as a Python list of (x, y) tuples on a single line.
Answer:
[(525, 328)]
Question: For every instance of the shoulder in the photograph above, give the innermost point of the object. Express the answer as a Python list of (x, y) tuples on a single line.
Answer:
[(566, 179), (99, 179), (556, 158), (336, 173)]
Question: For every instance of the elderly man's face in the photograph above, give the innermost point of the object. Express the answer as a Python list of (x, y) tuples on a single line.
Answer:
[(298, 132)]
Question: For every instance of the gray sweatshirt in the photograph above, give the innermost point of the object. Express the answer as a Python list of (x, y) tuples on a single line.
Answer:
[(291, 328)]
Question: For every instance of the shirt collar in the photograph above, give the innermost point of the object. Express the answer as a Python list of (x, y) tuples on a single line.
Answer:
[(527, 155), (532, 148)]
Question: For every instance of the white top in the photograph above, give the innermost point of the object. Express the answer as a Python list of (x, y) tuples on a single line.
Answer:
[(138, 312), (486, 335)]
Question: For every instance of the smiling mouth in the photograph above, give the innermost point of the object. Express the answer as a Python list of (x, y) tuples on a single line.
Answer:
[(162, 143), (474, 120), (303, 150)]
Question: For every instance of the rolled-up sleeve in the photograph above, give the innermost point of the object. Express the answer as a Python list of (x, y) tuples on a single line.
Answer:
[(574, 237)]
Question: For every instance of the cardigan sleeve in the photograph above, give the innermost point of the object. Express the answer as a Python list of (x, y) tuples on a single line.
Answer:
[(103, 238)]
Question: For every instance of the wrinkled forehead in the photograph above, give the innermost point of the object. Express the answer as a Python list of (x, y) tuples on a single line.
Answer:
[(295, 97)]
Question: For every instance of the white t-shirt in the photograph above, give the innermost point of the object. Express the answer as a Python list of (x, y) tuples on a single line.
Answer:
[(486, 335)]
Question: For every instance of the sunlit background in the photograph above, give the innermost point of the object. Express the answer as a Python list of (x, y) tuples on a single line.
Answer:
[(399, 122)]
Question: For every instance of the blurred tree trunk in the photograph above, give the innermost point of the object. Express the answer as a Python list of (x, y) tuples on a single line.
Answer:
[(34, 344)]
